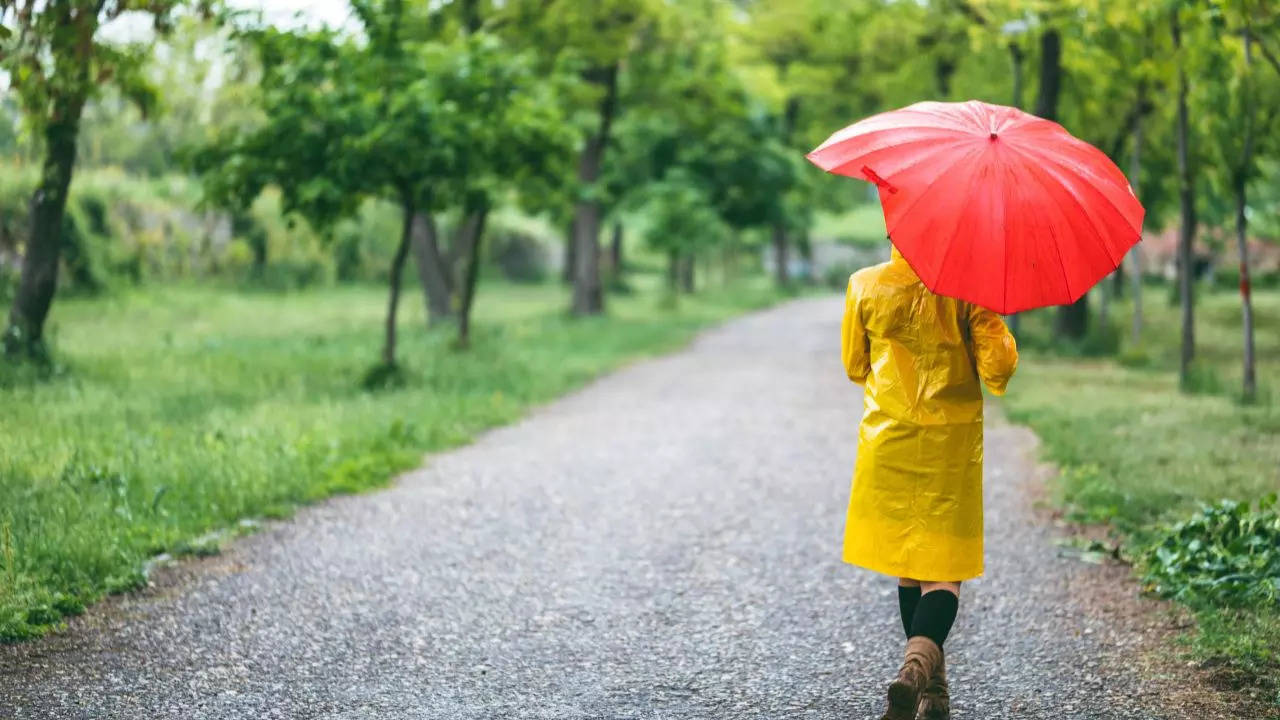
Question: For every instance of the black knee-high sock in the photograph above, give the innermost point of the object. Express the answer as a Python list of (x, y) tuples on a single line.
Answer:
[(935, 615), (908, 598)]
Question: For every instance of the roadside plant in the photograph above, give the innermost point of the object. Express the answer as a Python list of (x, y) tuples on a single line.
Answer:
[(1225, 554)]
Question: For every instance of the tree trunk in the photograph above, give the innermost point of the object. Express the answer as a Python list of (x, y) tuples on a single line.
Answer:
[(433, 274), (1015, 57), (688, 268), (1186, 200), (780, 258), (588, 297), (1104, 302), (806, 254), (673, 271), (780, 241), (615, 250), (943, 69), (476, 231), (39, 280), (1250, 377), (731, 257), (1135, 254), (570, 257), (1071, 320), (1050, 75), (464, 237), (1250, 388), (243, 225), (397, 270)]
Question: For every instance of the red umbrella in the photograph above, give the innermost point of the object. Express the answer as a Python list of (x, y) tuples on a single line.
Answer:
[(989, 204)]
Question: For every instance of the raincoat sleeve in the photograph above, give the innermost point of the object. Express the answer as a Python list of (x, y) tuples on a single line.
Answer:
[(995, 353), (853, 337)]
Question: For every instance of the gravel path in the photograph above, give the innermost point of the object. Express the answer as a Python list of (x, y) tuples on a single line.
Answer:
[(662, 544)]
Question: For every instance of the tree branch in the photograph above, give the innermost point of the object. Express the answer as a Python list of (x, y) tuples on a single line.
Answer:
[(1266, 52)]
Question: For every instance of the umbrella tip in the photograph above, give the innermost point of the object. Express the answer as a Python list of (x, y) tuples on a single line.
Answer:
[(993, 135)]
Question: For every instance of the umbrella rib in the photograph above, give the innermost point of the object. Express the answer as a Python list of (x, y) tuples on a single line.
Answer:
[(952, 243), (1098, 236), (1052, 160), (862, 157), (927, 188), (1057, 245), (828, 146)]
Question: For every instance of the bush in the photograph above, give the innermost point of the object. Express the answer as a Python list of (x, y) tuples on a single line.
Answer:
[(1225, 554), (519, 256)]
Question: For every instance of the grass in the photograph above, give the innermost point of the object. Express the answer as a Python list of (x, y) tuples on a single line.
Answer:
[(1137, 453), (183, 410), (862, 225)]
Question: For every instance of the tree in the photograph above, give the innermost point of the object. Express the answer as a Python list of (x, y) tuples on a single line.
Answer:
[(1240, 133), (57, 61), (821, 64), (424, 124), (1118, 50), (1186, 202), (682, 224), (597, 38)]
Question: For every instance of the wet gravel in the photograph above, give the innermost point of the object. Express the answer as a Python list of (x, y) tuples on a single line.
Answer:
[(662, 544)]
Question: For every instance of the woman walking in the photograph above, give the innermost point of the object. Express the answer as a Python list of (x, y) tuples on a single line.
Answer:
[(998, 211), (915, 511)]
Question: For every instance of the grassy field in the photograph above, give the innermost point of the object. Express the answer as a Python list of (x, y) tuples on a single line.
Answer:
[(1139, 454), (184, 410)]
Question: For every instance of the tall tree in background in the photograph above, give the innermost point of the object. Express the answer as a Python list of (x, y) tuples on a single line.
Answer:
[(1186, 203), (1071, 320), (57, 61), (1241, 174), (1240, 134), (597, 38)]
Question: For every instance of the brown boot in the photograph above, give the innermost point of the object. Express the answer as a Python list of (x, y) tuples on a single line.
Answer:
[(923, 655), (935, 701)]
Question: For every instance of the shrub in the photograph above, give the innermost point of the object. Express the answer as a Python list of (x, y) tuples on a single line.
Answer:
[(1226, 553), (520, 257)]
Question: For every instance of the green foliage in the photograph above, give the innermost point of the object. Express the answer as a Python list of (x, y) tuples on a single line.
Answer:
[(423, 124), (1226, 553), (57, 58), (681, 220)]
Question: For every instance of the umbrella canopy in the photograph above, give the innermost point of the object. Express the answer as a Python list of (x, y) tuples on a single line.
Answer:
[(989, 204)]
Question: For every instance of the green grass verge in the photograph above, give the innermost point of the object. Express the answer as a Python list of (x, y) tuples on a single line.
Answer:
[(183, 410), (1137, 453)]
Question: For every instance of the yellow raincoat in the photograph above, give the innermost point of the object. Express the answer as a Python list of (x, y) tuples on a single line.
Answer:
[(916, 506)]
